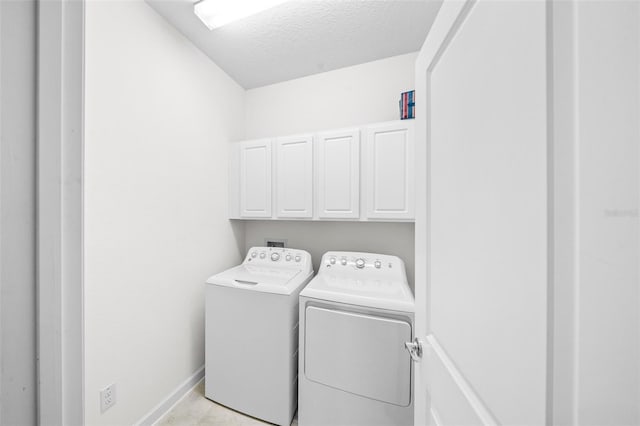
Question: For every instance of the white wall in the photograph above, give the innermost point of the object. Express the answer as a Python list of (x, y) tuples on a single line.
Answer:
[(350, 96), (319, 237), (17, 207), (159, 116)]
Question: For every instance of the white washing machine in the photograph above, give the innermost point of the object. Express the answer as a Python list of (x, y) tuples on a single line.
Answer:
[(355, 317), (251, 344)]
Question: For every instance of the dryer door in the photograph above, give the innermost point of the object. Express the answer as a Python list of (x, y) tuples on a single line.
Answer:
[(360, 354)]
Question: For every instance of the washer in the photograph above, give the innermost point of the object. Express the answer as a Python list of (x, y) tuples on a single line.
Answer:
[(251, 344), (355, 317)]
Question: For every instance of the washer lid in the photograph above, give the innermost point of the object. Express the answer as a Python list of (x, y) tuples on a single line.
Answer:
[(260, 278)]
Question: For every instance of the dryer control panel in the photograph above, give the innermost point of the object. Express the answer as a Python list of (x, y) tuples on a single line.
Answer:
[(362, 279), (370, 264), (272, 256)]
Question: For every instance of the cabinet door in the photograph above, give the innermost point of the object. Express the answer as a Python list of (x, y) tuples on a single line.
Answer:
[(294, 176), (339, 174), (389, 171), (255, 178)]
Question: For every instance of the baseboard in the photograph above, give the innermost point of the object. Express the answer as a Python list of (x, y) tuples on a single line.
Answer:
[(172, 399)]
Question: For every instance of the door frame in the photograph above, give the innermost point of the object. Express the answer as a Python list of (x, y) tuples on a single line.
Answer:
[(60, 295)]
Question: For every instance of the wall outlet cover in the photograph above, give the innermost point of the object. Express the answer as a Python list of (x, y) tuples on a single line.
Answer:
[(107, 397)]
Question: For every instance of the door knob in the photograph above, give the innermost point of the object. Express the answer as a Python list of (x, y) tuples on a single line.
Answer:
[(415, 349)]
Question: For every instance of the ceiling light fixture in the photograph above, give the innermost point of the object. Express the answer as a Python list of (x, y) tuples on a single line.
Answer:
[(216, 13)]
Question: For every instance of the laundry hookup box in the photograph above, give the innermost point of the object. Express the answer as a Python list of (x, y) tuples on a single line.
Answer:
[(407, 105)]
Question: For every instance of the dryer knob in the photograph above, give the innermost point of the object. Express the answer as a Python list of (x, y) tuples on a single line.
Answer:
[(288, 257), (298, 258), (332, 260), (360, 263), (377, 264), (275, 256), (254, 254), (343, 261), (262, 255)]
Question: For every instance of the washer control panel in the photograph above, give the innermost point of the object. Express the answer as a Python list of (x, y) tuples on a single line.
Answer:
[(277, 256)]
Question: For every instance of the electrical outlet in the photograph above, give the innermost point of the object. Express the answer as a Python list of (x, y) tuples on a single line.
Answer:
[(107, 397)]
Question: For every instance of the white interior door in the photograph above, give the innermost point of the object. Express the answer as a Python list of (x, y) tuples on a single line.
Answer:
[(482, 215)]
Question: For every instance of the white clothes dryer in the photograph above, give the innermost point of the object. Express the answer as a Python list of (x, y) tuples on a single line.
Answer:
[(251, 343), (355, 317)]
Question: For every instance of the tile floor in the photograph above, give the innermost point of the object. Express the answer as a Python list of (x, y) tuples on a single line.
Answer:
[(195, 409)]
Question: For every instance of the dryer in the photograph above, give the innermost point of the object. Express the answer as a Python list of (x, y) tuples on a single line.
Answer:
[(251, 336), (355, 317)]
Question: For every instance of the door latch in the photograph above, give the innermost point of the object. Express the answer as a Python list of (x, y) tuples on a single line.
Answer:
[(415, 349)]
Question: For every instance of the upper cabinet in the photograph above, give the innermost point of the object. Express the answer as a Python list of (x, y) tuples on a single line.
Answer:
[(294, 176), (364, 173), (338, 176), (255, 178), (389, 171)]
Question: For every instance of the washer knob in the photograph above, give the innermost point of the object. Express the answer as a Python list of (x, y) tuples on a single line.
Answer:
[(262, 255), (332, 260), (377, 264), (288, 257), (254, 254), (275, 256), (343, 261), (360, 263), (298, 258)]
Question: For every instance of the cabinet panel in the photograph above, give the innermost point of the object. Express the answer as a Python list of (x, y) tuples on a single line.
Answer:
[(234, 181), (294, 176), (389, 171), (339, 174), (255, 178)]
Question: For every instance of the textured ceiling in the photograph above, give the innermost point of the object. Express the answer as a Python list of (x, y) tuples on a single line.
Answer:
[(304, 37)]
